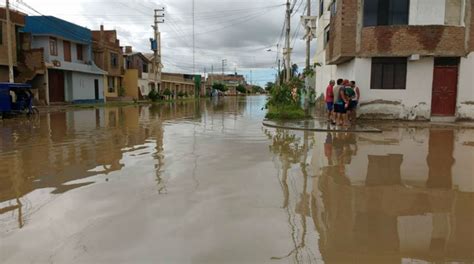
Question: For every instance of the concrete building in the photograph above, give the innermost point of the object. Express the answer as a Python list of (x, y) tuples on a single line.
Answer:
[(178, 84), (230, 80), (71, 75), (139, 76), (411, 59), (17, 22), (108, 56)]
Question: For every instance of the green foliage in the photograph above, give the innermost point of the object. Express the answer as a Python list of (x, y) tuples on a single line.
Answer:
[(269, 86), (181, 94), (289, 112), (283, 102), (167, 92), (309, 72), (257, 89), (220, 87), (153, 95), (121, 91), (240, 88)]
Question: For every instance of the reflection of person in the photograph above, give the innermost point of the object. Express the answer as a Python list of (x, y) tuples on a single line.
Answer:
[(328, 148)]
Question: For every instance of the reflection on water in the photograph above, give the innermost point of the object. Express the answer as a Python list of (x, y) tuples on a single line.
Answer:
[(204, 182), (384, 203)]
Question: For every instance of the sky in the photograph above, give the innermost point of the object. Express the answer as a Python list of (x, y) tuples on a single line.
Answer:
[(239, 31)]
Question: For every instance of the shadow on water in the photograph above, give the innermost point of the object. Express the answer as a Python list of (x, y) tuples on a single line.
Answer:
[(375, 199)]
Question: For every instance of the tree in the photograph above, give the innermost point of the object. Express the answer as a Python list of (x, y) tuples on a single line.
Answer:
[(240, 88), (257, 89), (269, 86), (220, 87)]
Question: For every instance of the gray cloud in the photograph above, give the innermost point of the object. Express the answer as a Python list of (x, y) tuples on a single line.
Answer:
[(239, 31)]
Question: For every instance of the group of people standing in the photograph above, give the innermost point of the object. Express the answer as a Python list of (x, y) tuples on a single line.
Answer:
[(342, 99)]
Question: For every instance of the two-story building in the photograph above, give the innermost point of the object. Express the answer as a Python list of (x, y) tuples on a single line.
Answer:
[(108, 56), (412, 59), (137, 76), (231, 81), (178, 84), (71, 74)]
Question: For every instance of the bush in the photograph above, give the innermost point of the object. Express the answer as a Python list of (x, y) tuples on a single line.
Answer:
[(181, 94), (153, 95), (240, 88), (121, 91), (220, 87), (290, 112), (167, 92), (284, 101)]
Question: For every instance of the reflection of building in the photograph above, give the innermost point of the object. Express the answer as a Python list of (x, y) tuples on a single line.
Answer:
[(387, 45), (377, 209)]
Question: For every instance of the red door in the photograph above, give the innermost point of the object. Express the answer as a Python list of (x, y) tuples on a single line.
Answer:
[(56, 86), (445, 83)]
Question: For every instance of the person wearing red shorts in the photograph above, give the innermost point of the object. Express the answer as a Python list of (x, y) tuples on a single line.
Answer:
[(330, 100)]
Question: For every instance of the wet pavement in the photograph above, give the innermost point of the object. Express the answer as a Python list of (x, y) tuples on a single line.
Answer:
[(320, 125), (208, 183)]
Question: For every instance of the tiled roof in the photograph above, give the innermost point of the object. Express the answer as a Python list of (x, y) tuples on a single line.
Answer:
[(53, 26)]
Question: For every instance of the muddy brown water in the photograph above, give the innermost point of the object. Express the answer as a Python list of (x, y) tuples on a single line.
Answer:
[(207, 183)]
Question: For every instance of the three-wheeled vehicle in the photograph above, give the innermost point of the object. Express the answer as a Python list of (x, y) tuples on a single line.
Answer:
[(16, 98)]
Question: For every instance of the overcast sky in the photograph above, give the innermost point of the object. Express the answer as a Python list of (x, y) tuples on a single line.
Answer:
[(240, 31)]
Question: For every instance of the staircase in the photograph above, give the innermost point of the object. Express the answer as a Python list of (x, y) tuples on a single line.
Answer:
[(30, 64)]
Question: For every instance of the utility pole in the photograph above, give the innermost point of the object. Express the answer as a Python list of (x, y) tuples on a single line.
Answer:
[(279, 72), (308, 36), (287, 42), (224, 63), (11, 77), (156, 44), (194, 42)]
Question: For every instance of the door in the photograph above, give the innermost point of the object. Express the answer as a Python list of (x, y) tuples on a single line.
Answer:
[(445, 83), (96, 89), (56, 86), (67, 50)]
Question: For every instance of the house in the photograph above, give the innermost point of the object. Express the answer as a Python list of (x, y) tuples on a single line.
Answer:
[(178, 84), (230, 80), (71, 75), (17, 20), (411, 59), (108, 56), (137, 82)]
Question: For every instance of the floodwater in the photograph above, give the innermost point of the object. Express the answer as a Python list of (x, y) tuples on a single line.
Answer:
[(207, 183)]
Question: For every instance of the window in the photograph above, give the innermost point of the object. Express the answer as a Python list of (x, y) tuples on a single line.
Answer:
[(53, 46), (321, 8), (389, 73), (1, 33), (79, 49), (333, 8), (386, 12), (326, 36), (145, 67), (111, 84), (114, 60)]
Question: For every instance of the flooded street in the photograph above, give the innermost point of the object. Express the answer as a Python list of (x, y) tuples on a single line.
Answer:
[(205, 182)]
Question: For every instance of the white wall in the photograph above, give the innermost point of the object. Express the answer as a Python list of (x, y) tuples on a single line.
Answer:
[(465, 100), (427, 12), (325, 73), (412, 103), (84, 86)]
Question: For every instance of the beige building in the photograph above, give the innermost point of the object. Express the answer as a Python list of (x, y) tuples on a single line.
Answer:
[(178, 84)]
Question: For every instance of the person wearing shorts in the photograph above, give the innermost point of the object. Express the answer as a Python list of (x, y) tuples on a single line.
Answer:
[(330, 100)]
